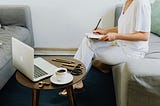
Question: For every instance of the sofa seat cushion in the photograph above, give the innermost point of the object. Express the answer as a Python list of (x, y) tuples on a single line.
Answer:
[(18, 32), (154, 49), (6, 34), (154, 38), (146, 73)]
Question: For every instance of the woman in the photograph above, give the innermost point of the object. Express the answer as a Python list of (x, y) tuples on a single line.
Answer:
[(129, 40)]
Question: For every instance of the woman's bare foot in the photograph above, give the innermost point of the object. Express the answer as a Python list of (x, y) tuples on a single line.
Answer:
[(63, 93)]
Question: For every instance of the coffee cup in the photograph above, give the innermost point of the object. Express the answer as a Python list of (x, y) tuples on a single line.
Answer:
[(61, 74)]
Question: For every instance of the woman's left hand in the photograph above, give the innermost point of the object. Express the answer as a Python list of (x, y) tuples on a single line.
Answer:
[(109, 37)]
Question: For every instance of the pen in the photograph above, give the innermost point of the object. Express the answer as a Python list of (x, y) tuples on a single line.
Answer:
[(98, 23), (63, 61)]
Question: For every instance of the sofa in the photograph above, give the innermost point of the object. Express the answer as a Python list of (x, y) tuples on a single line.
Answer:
[(137, 82), (15, 21)]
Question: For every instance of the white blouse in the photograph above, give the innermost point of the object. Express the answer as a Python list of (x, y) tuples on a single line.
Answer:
[(136, 18)]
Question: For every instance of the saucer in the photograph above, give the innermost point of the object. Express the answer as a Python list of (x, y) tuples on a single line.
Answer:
[(68, 79)]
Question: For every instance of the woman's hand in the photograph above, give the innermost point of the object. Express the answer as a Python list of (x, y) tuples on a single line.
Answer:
[(100, 31), (109, 37)]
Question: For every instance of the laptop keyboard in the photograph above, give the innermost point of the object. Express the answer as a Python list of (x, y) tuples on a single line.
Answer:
[(38, 72)]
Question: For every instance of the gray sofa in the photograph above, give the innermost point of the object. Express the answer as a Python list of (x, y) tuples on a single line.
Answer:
[(137, 82), (15, 21)]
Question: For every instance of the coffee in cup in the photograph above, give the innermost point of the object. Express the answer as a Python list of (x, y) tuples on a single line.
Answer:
[(61, 74)]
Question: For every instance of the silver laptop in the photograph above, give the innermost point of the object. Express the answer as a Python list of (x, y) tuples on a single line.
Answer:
[(34, 68)]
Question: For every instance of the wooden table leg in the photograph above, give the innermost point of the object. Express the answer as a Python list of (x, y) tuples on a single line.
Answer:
[(35, 97), (71, 96)]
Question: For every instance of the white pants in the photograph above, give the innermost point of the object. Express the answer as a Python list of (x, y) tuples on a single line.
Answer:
[(99, 50)]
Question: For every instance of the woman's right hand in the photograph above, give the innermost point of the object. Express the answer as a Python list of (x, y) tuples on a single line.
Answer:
[(100, 31)]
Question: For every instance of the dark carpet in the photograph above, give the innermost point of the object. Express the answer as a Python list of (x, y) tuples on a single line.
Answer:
[(99, 91)]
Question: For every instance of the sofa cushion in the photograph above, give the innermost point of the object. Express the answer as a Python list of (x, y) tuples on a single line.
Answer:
[(144, 67), (155, 17), (6, 34), (154, 49), (13, 15), (20, 33), (154, 38)]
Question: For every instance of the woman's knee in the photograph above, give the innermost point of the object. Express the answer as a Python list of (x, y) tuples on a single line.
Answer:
[(111, 60)]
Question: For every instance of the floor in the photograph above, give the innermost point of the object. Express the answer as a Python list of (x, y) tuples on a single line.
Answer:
[(99, 91)]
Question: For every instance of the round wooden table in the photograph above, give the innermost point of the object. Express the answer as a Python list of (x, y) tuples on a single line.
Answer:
[(23, 80)]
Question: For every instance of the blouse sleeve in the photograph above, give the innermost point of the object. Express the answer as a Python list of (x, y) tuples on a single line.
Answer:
[(143, 17)]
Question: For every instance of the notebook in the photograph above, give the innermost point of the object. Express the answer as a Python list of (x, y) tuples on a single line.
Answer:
[(33, 68), (93, 36)]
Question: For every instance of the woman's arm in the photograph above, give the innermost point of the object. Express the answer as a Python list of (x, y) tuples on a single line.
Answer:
[(138, 36)]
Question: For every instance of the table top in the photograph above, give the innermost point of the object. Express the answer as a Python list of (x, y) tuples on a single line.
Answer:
[(23, 80)]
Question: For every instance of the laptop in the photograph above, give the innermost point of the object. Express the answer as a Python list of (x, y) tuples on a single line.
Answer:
[(23, 60)]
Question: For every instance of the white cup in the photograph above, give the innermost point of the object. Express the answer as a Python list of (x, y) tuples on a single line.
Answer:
[(61, 74)]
